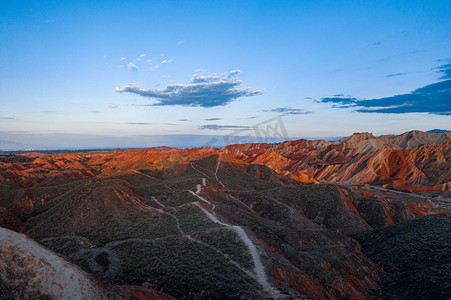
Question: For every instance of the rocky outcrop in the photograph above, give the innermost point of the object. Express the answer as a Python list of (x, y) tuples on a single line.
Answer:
[(30, 270), (367, 142), (417, 138)]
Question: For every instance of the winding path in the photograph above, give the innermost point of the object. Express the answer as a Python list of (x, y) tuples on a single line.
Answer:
[(216, 173), (259, 270), (410, 194)]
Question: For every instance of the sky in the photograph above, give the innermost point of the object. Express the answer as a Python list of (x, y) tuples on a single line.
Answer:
[(186, 73)]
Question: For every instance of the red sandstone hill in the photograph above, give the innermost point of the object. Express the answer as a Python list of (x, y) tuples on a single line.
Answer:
[(366, 142), (413, 161), (359, 159)]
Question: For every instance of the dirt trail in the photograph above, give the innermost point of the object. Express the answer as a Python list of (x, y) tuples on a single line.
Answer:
[(199, 171), (137, 172), (216, 173), (259, 269), (199, 188), (410, 194)]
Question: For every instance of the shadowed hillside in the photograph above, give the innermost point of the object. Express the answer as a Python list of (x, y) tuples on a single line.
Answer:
[(416, 255)]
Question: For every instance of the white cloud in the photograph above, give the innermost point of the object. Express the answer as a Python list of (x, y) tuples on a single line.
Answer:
[(132, 66), (204, 91), (142, 64), (140, 57), (166, 61), (285, 111)]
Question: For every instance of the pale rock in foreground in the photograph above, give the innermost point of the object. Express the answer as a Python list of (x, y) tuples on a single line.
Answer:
[(31, 270)]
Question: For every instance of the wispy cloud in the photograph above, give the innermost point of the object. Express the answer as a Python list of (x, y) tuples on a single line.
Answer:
[(151, 67), (396, 74), (7, 118), (213, 119), (181, 42), (284, 111), (138, 63), (164, 61), (222, 127), (138, 123), (445, 69), (433, 99), (204, 91), (184, 120), (132, 66), (95, 122)]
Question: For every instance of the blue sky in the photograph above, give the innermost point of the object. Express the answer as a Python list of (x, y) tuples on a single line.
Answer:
[(117, 68)]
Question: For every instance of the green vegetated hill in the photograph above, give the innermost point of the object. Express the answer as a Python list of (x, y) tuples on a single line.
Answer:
[(416, 254)]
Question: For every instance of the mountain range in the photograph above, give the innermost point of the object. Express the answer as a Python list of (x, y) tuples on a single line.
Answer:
[(303, 219)]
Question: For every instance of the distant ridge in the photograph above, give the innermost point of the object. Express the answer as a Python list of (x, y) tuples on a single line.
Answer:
[(14, 143), (416, 138), (410, 161), (366, 142)]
